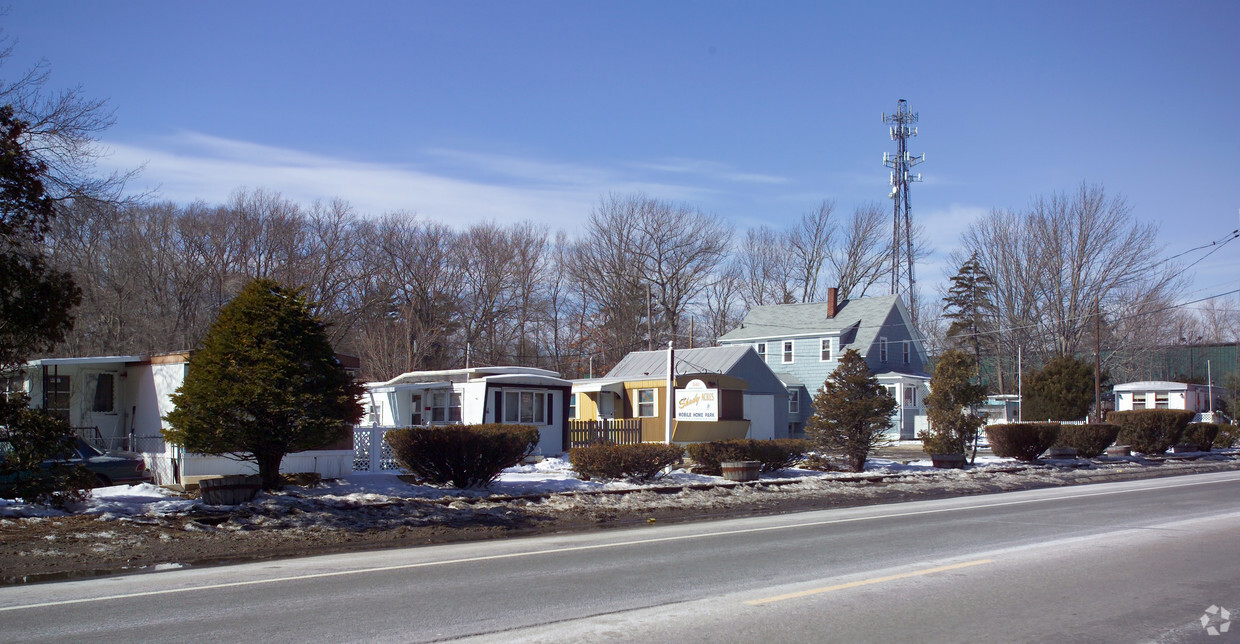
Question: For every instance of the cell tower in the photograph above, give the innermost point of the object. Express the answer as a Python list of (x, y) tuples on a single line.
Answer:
[(902, 125)]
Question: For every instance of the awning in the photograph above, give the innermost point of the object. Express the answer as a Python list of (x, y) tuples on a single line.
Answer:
[(595, 386)]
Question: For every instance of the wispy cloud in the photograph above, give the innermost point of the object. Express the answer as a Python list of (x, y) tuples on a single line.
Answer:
[(712, 170), (447, 185)]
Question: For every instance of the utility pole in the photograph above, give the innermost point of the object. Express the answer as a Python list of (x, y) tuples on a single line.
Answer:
[(1097, 362), (901, 126), (671, 393), (649, 322)]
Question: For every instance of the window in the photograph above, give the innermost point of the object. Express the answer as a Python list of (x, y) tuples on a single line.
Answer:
[(12, 386), (794, 401), (572, 406), (826, 349), (445, 407), (526, 407), (1138, 401), (1160, 401), (910, 397), (906, 344), (105, 400), (882, 349), (761, 348), (647, 403), (56, 396), (787, 351)]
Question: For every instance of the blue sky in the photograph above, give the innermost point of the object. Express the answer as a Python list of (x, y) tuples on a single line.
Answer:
[(470, 111)]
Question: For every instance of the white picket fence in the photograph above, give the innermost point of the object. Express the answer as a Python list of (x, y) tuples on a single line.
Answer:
[(366, 459)]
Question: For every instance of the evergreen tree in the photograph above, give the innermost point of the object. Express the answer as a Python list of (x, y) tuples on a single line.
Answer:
[(953, 428), (35, 305), (265, 383), (969, 304), (1061, 390), (35, 300), (852, 412)]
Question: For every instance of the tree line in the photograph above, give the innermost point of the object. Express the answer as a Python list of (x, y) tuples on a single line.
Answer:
[(403, 292)]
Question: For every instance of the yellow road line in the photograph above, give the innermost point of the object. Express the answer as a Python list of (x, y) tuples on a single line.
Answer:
[(867, 582)]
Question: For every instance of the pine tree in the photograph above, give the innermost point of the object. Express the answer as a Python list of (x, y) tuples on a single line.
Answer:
[(35, 305), (852, 412), (265, 383), (1061, 390), (952, 396), (35, 299), (970, 306)]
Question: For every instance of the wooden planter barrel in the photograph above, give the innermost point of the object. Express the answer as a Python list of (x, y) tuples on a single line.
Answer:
[(948, 461), (741, 470), (230, 490)]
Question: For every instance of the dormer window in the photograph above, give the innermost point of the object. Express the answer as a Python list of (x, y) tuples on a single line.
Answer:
[(826, 350), (787, 351), (761, 349)]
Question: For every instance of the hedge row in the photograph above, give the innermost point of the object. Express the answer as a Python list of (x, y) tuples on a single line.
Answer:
[(642, 462), (461, 455), (1202, 435), (777, 454), (1022, 441), (1089, 440), (1151, 431)]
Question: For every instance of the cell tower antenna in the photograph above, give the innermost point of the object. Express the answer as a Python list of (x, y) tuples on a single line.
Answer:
[(901, 126)]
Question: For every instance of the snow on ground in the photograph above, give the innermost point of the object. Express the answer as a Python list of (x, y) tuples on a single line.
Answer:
[(366, 500)]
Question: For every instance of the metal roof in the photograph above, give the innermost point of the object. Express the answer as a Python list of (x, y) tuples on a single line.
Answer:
[(653, 364)]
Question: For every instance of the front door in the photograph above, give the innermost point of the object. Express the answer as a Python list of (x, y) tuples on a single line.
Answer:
[(99, 409), (606, 405), (417, 409)]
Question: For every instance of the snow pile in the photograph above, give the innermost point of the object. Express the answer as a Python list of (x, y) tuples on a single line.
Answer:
[(366, 501)]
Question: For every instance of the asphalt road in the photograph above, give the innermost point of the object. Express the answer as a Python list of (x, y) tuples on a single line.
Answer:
[(1131, 561)]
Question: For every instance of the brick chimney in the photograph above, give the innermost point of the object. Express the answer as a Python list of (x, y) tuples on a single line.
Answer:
[(832, 303)]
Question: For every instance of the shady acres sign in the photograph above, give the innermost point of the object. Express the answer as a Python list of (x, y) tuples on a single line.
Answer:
[(697, 402)]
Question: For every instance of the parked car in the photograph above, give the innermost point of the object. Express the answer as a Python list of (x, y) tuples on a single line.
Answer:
[(108, 467)]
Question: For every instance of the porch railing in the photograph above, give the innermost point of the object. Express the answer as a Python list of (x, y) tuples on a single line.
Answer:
[(620, 432), (127, 443)]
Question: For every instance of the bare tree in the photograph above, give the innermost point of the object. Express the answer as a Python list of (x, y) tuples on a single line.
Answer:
[(765, 268), (809, 244), (859, 258), (1051, 263), (678, 248), (63, 130), (722, 304)]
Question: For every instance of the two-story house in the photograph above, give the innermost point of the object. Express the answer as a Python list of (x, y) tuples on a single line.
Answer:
[(802, 344)]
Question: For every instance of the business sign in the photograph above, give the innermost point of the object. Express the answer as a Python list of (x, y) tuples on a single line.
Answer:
[(697, 402)]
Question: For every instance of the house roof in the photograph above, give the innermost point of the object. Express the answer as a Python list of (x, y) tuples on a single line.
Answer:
[(789, 379), (465, 375), (736, 361), (786, 320), (84, 360), (1159, 385), (653, 364)]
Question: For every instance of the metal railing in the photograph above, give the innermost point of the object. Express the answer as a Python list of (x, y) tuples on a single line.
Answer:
[(128, 443)]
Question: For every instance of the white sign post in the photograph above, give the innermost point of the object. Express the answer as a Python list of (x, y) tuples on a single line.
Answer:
[(697, 402)]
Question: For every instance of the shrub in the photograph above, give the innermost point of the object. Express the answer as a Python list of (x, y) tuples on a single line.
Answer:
[(774, 454), (1089, 440), (1201, 434), (1022, 441), (1151, 431), (461, 455), (1227, 436), (642, 462)]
